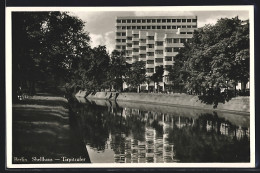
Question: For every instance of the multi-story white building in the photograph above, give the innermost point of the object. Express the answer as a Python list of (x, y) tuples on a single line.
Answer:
[(153, 39)]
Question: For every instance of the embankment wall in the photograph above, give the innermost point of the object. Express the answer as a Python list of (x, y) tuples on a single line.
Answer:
[(238, 104)]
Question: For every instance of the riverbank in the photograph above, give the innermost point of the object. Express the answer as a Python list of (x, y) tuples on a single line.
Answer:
[(43, 129), (237, 104)]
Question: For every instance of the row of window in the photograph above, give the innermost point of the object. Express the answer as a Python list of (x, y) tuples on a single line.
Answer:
[(156, 27), (155, 20), (157, 43), (167, 49), (157, 60), (151, 70)]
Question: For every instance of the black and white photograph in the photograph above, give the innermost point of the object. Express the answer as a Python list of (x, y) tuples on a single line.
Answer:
[(168, 86)]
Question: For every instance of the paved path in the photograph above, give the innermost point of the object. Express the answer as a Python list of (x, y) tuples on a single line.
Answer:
[(44, 132)]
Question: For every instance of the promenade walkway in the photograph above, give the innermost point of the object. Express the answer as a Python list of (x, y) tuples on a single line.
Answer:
[(44, 132)]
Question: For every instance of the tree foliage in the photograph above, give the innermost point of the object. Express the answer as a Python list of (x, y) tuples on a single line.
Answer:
[(216, 58), (157, 76), (136, 74), (45, 45), (117, 69)]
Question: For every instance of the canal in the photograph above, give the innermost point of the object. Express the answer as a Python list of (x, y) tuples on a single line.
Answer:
[(126, 132)]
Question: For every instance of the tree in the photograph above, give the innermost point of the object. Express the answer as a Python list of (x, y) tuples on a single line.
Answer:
[(136, 74), (117, 69), (217, 58), (158, 76), (45, 46)]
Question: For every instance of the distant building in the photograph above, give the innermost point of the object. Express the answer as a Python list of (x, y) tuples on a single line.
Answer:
[(153, 39)]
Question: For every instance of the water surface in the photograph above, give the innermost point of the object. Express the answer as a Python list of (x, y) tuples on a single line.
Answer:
[(125, 132)]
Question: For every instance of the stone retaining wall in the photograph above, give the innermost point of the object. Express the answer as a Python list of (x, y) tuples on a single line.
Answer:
[(240, 104)]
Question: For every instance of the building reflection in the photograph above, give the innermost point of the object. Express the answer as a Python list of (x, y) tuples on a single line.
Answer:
[(141, 136), (156, 147)]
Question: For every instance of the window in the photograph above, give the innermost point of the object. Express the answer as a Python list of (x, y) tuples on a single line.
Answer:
[(143, 27), (168, 40), (148, 27), (123, 27), (142, 55), (158, 27), (174, 27), (189, 32), (166, 78), (123, 47), (133, 27), (138, 27), (184, 26), (118, 40), (168, 58), (133, 21), (183, 20), (150, 54), (183, 40), (194, 20), (142, 47), (150, 62), (159, 60), (128, 21), (163, 27), (128, 27), (118, 34), (129, 45), (129, 38), (159, 52), (176, 40), (135, 50), (142, 40), (135, 42), (178, 20), (123, 40), (168, 49), (166, 67), (158, 20), (169, 20), (178, 27), (118, 47), (150, 70), (159, 43), (173, 20), (123, 21), (135, 57), (176, 49), (118, 27), (138, 21), (123, 33), (128, 58), (168, 27), (194, 26), (128, 52), (135, 35), (188, 26), (188, 20), (150, 45), (153, 27), (148, 20), (143, 21), (118, 21), (150, 37), (153, 20), (183, 32), (164, 21)]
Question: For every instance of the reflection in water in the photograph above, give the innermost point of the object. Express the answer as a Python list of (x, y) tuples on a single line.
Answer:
[(137, 135)]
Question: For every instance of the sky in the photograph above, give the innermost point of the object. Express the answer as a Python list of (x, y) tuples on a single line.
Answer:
[(101, 24)]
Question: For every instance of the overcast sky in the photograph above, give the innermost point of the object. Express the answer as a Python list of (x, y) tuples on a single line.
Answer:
[(101, 24)]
